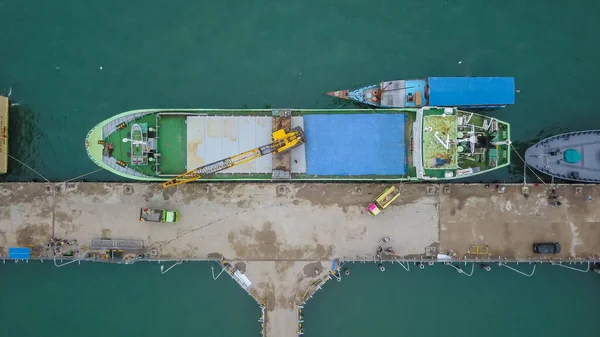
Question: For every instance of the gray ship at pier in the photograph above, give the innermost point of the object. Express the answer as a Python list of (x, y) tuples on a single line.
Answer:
[(570, 156)]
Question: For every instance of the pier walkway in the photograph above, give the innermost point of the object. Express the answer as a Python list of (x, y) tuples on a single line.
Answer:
[(279, 240)]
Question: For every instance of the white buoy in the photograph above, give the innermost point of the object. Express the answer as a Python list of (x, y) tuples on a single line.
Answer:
[(381, 267), (421, 266)]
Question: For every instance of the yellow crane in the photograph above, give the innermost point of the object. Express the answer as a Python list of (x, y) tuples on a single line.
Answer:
[(282, 140)]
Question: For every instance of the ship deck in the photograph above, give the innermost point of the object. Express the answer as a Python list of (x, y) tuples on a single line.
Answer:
[(548, 156), (351, 145), (212, 138), (461, 157), (187, 140), (356, 145), (172, 145)]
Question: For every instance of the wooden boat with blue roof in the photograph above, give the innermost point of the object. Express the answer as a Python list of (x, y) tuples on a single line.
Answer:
[(460, 92)]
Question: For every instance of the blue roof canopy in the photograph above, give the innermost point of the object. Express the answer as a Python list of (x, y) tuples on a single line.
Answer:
[(19, 253), (355, 144), (471, 91)]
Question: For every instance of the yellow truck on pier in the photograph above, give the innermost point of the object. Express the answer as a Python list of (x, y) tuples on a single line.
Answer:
[(383, 200)]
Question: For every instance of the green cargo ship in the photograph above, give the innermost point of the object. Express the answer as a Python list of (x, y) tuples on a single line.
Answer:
[(429, 143)]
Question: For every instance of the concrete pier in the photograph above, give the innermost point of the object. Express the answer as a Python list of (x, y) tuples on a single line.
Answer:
[(283, 237)]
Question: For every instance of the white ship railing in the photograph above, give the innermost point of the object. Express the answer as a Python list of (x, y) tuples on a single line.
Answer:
[(418, 144), (111, 126)]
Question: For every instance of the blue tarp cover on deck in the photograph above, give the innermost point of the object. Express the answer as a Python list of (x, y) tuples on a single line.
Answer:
[(19, 253), (357, 144), (471, 91)]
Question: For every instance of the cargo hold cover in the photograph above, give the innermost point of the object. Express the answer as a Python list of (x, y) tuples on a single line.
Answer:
[(355, 144)]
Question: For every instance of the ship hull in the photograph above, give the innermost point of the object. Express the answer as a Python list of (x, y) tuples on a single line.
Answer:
[(461, 92), (571, 156), (342, 145)]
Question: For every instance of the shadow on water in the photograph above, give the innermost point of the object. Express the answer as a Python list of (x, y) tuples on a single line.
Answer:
[(23, 136)]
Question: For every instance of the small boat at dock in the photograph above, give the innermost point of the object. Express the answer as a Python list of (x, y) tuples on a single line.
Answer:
[(460, 92)]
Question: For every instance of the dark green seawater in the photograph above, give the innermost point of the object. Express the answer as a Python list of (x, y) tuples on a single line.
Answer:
[(438, 301), (99, 300), (94, 299), (273, 53), (74, 63)]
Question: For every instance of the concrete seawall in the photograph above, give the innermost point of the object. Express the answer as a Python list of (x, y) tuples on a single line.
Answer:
[(283, 237)]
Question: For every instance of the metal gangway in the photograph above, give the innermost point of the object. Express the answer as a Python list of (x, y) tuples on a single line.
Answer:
[(117, 244)]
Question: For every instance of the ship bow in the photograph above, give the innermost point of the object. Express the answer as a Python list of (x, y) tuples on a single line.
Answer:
[(339, 94)]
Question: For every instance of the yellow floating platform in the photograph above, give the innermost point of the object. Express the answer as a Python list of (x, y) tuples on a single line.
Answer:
[(3, 134)]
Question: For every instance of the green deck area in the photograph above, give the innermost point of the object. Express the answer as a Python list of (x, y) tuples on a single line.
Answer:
[(123, 150), (172, 136), (171, 144), (459, 159)]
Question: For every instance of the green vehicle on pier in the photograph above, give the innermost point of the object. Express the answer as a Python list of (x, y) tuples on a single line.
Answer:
[(159, 215)]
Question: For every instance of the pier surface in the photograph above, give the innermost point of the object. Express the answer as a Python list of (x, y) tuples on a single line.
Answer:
[(283, 237)]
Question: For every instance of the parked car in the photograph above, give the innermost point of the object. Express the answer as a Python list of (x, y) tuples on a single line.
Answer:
[(546, 247)]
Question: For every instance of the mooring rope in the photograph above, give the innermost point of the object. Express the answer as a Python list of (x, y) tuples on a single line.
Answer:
[(516, 270), (66, 263), (83, 175), (407, 268), (27, 166), (572, 268), (171, 267), (213, 272), (460, 270), (42, 176), (527, 166)]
